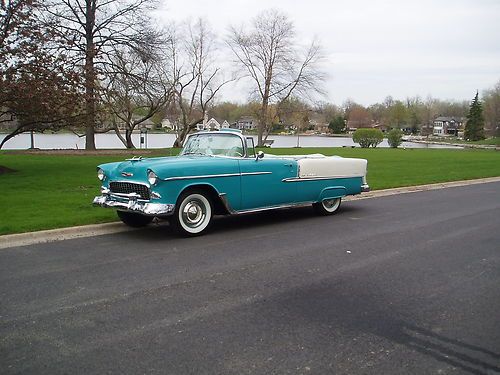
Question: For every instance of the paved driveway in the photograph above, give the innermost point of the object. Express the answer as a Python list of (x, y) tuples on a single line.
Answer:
[(401, 284)]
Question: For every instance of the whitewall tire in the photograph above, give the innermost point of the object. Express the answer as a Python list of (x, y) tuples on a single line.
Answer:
[(193, 213), (327, 206)]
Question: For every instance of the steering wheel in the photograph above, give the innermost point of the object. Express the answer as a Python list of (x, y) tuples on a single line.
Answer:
[(234, 151)]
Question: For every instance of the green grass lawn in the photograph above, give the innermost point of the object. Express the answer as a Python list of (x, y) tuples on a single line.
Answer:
[(53, 191)]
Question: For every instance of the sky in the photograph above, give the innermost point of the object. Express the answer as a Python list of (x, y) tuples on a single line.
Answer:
[(444, 48)]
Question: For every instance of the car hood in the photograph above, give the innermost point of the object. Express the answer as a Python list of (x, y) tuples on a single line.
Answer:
[(172, 166)]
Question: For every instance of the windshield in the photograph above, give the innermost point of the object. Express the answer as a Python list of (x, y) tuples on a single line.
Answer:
[(214, 145)]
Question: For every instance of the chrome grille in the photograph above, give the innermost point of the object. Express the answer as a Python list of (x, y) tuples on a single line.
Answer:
[(130, 187)]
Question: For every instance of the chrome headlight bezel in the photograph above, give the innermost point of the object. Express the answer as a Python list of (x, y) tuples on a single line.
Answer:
[(152, 178), (101, 175)]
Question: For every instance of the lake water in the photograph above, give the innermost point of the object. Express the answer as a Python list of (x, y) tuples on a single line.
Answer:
[(111, 141)]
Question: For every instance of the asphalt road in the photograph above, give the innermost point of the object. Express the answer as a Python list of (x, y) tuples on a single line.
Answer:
[(407, 284)]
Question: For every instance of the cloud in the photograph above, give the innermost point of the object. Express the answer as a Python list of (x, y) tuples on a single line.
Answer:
[(403, 48)]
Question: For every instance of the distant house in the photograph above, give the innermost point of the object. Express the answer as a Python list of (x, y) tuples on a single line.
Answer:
[(318, 126), (245, 123), (445, 126), (170, 125), (212, 124), (353, 125)]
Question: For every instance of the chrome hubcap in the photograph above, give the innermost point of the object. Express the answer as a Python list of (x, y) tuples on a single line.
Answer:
[(331, 204), (193, 213)]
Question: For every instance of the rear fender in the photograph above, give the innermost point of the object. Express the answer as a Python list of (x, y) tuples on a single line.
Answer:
[(332, 192)]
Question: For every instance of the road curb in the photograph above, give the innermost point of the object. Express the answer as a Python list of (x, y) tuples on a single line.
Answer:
[(30, 238)]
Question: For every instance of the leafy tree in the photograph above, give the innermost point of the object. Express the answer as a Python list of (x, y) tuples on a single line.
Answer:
[(368, 137), (474, 128), (358, 116), (398, 114), (395, 138), (36, 88), (337, 125)]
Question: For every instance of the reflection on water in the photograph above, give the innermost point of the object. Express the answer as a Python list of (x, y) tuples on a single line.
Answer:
[(103, 141)]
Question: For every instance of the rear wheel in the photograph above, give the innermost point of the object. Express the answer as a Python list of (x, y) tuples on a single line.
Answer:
[(193, 213), (133, 219), (327, 206)]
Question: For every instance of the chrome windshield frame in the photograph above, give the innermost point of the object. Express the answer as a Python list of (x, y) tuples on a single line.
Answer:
[(225, 133)]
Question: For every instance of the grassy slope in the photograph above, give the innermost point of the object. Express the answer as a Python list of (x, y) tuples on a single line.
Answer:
[(52, 191)]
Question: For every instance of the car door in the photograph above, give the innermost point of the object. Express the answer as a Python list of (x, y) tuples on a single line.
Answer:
[(262, 182)]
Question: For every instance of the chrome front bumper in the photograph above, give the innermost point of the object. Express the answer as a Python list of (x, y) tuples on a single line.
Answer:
[(134, 205), (365, 188)]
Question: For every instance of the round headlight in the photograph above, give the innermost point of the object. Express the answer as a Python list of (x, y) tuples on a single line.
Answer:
[(152, 178), (100, 174)]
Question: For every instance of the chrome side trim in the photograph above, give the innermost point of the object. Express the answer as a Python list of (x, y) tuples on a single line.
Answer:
[(198, 177), (283, 206), (231, 211), (318, 178), (214, 176), (254, 173)]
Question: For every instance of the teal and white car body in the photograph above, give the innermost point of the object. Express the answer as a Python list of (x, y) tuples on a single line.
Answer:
[(220, 173)]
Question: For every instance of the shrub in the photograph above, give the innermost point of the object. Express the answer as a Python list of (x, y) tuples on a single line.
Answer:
[(368, 137), (394, 138)]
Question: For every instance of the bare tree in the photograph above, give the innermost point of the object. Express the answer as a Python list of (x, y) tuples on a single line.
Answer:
[(91, 30), (136, 88), (196, 77), (268, 55), (491, 100)]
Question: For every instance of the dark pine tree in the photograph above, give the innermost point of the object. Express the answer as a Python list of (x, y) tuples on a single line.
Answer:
[(474, 128)]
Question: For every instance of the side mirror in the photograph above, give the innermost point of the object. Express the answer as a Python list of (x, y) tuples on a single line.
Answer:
[(259, 155)]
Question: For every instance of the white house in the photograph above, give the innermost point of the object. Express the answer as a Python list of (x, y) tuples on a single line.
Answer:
[(212, 124), (245, 123)]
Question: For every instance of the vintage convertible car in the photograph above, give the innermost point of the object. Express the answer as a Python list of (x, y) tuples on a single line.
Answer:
[(219, 173)]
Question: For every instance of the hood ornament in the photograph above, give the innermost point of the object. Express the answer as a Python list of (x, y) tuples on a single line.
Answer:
[(135, 158), (127, 174)]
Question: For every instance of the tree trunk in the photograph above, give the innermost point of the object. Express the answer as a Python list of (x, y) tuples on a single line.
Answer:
[(179, 141), (128, 137), (89, 77), (262, 123), (120, 137)]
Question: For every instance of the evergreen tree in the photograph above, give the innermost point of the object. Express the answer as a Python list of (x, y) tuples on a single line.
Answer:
[(474, 128), (337, 125)]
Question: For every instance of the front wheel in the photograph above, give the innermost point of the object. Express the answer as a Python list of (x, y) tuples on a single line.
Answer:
[(193, 213), (327, 206), (133, 219)]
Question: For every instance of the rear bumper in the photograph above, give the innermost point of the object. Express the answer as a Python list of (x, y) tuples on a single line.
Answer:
[(134, 205), (365, 188)]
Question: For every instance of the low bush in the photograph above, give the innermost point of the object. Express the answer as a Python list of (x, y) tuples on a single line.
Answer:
[(368, 137), (395, 138)]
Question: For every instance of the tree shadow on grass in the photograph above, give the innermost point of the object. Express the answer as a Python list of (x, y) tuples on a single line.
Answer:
[(5, 170)]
